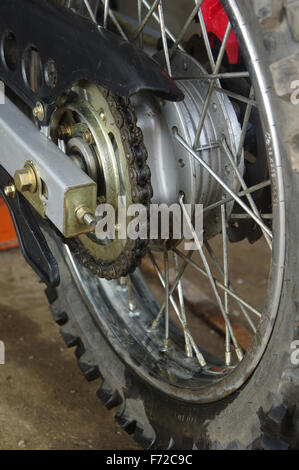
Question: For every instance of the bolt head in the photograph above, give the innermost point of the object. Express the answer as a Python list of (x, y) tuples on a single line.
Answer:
[(25, 180), (10, 191)]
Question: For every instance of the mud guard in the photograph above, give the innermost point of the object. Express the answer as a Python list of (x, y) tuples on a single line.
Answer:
[(72, 48)]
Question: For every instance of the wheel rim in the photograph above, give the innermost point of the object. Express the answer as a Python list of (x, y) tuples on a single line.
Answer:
[(130, 308)]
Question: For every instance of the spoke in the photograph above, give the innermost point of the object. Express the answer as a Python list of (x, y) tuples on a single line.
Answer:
[(126, 283), (212, 84), (177, 280), (252, 204), (132, 305), (230, 287), (139, 5), (206, 40), (228, 354), (251, 190), (225, 186), (245, 126), (218, 284), (146, 18), (235, 96), (166, 277), (90, 12), (245, 216), (115, 22), (238, 350), (106, 11), (167, 31), (219, 76), (198, 354), (188, 347), (164, 38), (191, 17)]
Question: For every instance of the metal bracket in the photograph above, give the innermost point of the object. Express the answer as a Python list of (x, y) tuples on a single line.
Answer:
[(61, 187)]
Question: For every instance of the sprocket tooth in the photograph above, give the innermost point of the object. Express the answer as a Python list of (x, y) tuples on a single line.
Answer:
[(125, 119)]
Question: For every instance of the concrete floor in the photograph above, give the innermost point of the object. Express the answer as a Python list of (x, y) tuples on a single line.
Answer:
[(45, 402)]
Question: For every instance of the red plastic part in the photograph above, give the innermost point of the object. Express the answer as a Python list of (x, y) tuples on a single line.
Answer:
[(216, 21), (8, 237)]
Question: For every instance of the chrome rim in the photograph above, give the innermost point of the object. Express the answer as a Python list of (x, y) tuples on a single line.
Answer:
[(150, 328)]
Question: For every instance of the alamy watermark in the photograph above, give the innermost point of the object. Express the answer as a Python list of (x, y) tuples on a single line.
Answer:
[(295, 353), (2, 93), (158, 221), (2, 353), (295, 93)]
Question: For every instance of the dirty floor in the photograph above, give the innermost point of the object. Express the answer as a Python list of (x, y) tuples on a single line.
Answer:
[(45, 403)]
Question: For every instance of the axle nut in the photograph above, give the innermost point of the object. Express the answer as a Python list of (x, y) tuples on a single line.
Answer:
[(25, 180)]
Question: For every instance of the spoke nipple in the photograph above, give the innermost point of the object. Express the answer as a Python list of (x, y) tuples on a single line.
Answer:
[(86, 217), (132, 306), (38, 111), (154, 325), (239, 354), (102, 116), (189, 351), (10, 191), (228, 358)]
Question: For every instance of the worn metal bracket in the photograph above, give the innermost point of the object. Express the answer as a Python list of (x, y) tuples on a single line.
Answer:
[(63, 186)]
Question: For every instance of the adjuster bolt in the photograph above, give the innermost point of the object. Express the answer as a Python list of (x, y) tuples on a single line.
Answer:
[(86, 217)]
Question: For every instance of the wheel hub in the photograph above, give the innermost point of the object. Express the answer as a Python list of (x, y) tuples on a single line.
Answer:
[(167, 159)]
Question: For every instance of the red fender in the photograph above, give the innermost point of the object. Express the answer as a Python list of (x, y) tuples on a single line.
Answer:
[(216, 21)]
